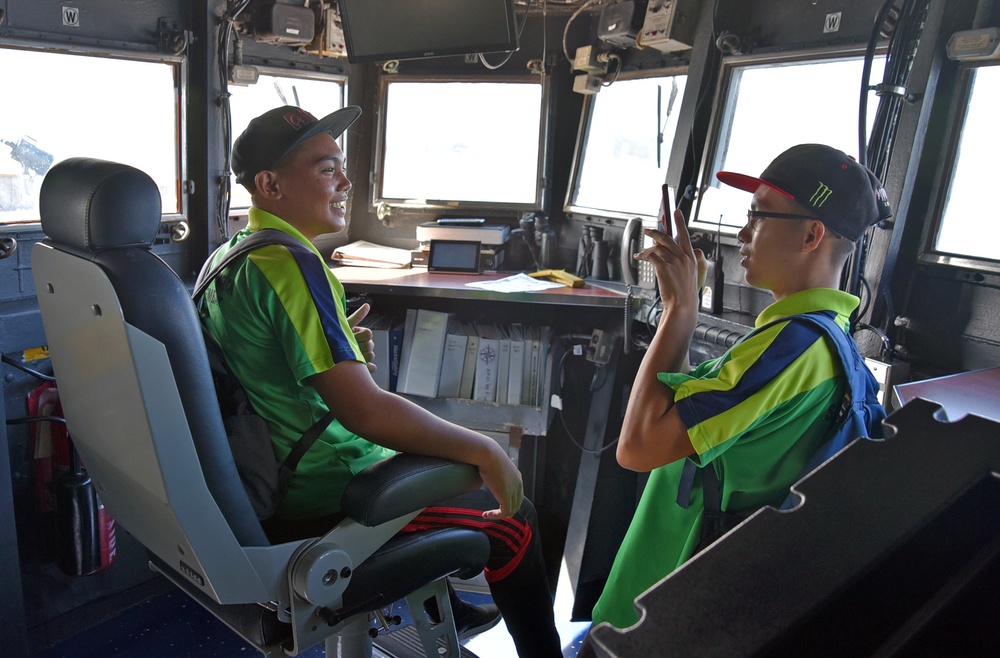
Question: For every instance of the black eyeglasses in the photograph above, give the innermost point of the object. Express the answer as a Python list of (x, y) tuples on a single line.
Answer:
[(753, 215)]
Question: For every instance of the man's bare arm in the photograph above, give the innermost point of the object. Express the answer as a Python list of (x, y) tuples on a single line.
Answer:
[(395, 422), (652, 432)]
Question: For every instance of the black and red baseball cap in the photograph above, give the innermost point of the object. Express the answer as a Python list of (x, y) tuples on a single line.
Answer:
[(275, 133), (846, 196)]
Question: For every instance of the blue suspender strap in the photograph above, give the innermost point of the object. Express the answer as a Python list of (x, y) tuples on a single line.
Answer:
[(687, 482)]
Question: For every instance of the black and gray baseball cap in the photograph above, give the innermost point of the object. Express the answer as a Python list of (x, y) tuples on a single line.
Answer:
[(275, 133)]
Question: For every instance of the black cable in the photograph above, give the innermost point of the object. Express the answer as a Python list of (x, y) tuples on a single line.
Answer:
[(868, 297), (866, 82), (20, 366), (520, 29), (875, 151), (886, 343), (226, 33), (36, 419), (593, 386)]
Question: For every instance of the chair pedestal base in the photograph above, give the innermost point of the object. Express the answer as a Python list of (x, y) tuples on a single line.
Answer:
[(353, 640)]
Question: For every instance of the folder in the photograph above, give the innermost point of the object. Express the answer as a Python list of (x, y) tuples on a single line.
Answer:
[(516, 368), (469, 368), (503, 364), (485, 387), (423, 368), (452, 362)]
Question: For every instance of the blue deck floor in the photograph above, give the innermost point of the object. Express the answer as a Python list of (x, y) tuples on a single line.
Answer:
[(171, 625)]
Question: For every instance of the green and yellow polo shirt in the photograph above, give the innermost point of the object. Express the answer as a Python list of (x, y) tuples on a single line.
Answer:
[(756, 415), (274, 336)]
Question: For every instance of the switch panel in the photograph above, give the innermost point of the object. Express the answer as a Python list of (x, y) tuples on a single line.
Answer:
[(659, 30)]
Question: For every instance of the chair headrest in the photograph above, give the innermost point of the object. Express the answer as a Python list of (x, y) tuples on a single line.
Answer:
[(92, 205)]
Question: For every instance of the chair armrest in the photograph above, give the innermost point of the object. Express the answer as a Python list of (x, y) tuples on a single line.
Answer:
[(403, 484)]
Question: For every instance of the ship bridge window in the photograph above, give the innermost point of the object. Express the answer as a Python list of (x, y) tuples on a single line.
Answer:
[(623, 147), (968, 226), (770, 106), (62, 105), (317, 94), (461, 145)]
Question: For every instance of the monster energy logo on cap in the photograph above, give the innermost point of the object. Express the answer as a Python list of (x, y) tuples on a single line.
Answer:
[(820, 196)]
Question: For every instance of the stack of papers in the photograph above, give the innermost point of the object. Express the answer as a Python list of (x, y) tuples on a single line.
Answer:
[(368, 254)]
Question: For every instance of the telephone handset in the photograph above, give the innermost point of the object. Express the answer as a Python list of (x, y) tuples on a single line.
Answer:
[(636, 272)]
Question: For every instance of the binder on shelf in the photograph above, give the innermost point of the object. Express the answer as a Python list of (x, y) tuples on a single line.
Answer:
[(516, 368), (485, 385), (529, 386), (544, 362), (503, 363), (453, 361), (423, 367), (469, 367), (409, 324)]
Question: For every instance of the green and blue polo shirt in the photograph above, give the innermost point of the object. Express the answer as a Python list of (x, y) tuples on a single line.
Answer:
[(274, 336), (756, 415)]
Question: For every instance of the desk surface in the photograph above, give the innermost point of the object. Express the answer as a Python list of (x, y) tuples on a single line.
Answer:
[(418, 282), (976, 392)]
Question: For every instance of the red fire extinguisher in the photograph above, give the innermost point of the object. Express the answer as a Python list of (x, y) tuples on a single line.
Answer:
[(85, 532)]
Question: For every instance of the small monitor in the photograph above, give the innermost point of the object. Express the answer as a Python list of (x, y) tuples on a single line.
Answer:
[(380, 30), (460, 256)]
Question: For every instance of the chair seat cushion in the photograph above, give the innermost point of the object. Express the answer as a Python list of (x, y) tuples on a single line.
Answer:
[(410, 561)]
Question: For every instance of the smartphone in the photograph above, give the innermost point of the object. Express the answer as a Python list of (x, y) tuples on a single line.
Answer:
[(669, 206)]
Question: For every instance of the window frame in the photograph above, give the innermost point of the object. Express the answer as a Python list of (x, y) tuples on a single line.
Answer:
[(383, 205), (179, 65), (943, 180), (579, 212)]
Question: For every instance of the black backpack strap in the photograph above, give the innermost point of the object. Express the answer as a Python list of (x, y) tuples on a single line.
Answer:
[(209, 271), (300, 448), (255, 240)]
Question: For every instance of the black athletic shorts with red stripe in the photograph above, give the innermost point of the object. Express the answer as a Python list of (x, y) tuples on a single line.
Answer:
[(509, 538)]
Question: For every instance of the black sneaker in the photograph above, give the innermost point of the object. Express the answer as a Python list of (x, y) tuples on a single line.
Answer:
[(475, 619)]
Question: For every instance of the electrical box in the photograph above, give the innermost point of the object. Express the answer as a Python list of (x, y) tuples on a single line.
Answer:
[(586, 60), (243, 75), (601, 347), (329, 40), (586, 84), (668, 26), (279, 23), (620, 23)]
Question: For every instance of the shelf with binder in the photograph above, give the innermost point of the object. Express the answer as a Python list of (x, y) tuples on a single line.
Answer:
[(494, 416), (485, 376)]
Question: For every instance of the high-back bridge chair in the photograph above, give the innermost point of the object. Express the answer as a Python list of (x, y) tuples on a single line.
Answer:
[(136, 388)]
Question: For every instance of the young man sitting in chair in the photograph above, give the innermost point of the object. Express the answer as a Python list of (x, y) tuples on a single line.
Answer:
[(298, 357)]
